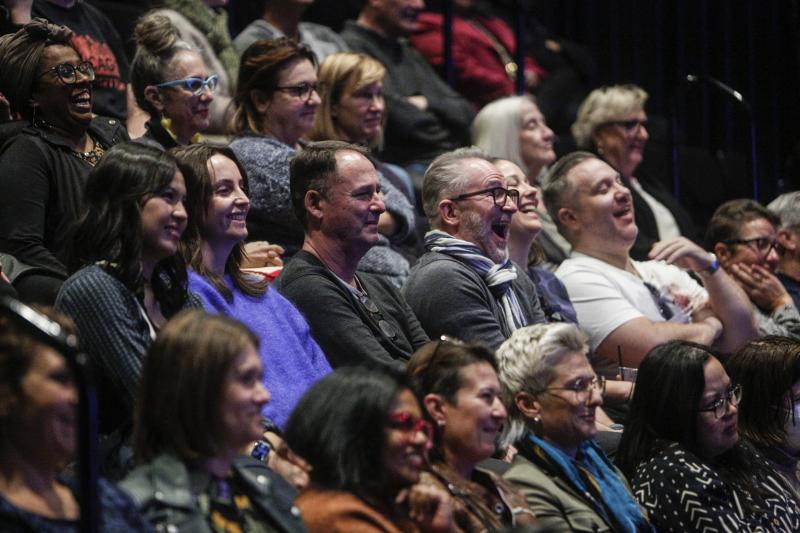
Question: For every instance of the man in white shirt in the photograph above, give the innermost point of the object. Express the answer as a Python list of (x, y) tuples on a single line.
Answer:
[(627, 307)]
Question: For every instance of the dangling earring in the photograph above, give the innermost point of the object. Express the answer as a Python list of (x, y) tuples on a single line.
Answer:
[(440, 423)]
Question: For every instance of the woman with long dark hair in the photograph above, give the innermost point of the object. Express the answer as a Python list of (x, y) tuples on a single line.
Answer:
[(128, 278), (682, 453), (769, 369), (218, 204)]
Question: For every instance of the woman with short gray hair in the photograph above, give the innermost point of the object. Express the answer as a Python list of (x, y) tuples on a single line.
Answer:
[(551, 394)]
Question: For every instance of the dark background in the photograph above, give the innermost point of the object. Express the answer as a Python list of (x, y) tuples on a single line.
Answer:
[(748, 45)]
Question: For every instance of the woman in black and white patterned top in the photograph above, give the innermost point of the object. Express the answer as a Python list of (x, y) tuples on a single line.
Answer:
[(682, 454)]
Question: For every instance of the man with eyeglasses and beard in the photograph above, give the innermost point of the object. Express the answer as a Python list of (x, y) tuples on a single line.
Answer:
[(627, 307), (356, 317), (744, 235), (465, 285)]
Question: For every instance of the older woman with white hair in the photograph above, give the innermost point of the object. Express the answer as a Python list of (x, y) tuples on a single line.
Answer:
[(552, 394), (514, 129), (612, 122)]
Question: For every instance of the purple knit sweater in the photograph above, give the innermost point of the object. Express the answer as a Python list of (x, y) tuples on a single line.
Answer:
[(292, 359)]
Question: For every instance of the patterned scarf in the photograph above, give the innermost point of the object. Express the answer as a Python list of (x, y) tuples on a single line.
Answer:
[(213, 23), (497, 277)]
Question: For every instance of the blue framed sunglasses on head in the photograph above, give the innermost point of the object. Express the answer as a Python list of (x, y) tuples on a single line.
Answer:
[(194, 85)]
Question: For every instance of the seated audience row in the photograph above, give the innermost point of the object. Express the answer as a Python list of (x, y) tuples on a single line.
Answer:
[(191, 476)]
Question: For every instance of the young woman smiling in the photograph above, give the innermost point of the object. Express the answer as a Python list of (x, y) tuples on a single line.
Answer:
[(214, 248), (130, 279)]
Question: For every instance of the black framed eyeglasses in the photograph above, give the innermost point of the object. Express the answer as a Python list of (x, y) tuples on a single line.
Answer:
[(763, 245), (630, 125), (719, 407), (68, 73), (302, 90), (661, 302), (582, 388), (195, 85), (499, 195)]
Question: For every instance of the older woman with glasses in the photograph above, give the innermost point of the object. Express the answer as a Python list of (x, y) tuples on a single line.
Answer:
[(461, 396), (682, 452), (46, 165), (769, 369), (275, 104), (170, 82), (612, 122), (552, 395)]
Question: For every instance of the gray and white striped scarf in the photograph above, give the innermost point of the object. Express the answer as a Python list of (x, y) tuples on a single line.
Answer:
[(498, 277)]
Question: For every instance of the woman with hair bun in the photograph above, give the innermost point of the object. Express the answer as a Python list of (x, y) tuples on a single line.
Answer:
[(170, 82), (45, 166)]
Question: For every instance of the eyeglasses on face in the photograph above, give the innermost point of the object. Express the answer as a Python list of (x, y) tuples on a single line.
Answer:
[(499, 195), (410, 425), (763, 245), (302, 90), (582, 388), (194, 85), (719, 407), (68, 73), (630, 126)]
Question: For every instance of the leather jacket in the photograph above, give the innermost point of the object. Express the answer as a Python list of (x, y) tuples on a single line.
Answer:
[(167, 494)]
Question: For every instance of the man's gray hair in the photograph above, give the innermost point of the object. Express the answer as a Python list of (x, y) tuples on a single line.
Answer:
[(787, 207), (527, 361), (445, 178)]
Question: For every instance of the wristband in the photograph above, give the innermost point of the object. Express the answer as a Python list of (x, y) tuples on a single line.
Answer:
[(710, 269)]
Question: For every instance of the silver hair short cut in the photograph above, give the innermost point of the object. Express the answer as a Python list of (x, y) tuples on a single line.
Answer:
[(787, 207), (556, 189), (526, 362), (604, 105), (496, 129), (445, 178)]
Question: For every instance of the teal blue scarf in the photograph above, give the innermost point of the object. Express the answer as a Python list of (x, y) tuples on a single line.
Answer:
[(591, 472)]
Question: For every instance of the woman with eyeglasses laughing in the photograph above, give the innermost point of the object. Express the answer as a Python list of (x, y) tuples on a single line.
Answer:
[(170, 82), (45, 166), (552, 395), (682, 452), (363, 434), (461, 396)]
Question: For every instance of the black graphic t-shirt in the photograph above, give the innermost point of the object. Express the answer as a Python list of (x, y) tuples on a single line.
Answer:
[(96, 40)]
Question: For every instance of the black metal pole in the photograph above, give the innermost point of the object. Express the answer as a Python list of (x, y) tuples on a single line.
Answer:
[(520, 18), (447, 44), (50, 333)]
